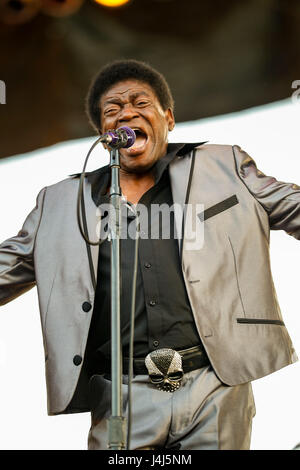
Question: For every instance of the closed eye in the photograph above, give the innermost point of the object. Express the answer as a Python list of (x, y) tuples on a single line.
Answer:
[(110, 111), (142, 103)]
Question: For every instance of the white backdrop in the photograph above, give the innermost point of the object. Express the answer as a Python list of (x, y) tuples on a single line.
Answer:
[(270, 134)]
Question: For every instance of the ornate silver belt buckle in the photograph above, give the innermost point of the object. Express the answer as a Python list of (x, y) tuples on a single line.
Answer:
[(165, 369)]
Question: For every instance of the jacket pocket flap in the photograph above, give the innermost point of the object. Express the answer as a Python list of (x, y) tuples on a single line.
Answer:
[(265, 321), (219, 207)]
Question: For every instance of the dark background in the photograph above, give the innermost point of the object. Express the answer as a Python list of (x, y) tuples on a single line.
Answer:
[(218, 56)]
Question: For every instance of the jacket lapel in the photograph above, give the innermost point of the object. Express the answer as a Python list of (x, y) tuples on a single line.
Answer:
[(180, 170)]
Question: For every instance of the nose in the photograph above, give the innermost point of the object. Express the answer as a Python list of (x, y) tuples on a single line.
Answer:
[(127, 113)]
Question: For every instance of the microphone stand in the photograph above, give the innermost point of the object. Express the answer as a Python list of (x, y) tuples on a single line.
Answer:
[(116, 422), (122, 137)]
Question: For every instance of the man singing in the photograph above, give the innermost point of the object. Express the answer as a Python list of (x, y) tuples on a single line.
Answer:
[(207, 320)]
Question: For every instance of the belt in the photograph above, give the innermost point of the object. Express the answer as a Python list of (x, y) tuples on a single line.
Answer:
[(192, 358)]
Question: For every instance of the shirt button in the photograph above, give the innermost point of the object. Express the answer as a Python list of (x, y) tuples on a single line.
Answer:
[(152, 303), (77, 360), (147, 265), (155, 343), (86, 306)]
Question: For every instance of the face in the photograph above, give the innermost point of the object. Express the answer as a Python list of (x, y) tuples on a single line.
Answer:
[(134, 104)]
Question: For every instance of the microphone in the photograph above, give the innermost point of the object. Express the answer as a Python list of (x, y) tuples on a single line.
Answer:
[(124, 137)]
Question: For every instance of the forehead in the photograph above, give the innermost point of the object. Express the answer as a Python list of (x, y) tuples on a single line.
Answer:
[(126, 88)]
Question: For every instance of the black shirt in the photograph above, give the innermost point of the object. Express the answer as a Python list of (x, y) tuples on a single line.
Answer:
[(163, 315)]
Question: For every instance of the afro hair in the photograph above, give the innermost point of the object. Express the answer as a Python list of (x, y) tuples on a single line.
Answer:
[(121, 70)]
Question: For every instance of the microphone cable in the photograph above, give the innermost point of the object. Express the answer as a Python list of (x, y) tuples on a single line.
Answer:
[(81, 213), (80, 200)]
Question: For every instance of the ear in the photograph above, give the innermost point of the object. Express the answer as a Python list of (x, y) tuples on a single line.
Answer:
[(170, 119)]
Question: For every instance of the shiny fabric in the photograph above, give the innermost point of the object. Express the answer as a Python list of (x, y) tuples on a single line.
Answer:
[(203, 414), (227, 279)]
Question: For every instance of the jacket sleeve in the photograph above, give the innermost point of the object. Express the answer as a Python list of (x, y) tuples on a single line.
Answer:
[(280, 200), (17, 273)]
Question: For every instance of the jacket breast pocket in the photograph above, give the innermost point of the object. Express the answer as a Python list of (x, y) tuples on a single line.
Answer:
[(260, 321), (219, 207)]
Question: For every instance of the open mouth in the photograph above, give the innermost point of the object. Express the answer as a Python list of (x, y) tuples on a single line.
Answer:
[(140, 141)]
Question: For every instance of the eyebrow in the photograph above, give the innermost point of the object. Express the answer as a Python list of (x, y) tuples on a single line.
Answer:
[(118, 100)]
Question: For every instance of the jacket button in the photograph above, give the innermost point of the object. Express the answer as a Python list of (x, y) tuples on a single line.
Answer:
[(86, 306), (22, 233), (77, 360)]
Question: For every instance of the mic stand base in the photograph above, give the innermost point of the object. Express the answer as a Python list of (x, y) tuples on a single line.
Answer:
[(116, 432)]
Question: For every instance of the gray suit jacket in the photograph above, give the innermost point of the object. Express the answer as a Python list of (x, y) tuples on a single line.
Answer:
[(228, 279)]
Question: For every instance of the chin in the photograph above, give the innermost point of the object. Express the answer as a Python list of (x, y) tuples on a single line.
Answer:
[(137, 164), (139, 168)]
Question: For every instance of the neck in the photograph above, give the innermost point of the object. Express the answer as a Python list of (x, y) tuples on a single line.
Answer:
[(134, 185), (135, 178)]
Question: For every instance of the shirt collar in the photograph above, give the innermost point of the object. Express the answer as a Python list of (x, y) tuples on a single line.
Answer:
[(173, 150)]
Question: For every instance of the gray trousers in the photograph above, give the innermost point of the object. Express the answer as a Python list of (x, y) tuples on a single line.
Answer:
[(203, 414)]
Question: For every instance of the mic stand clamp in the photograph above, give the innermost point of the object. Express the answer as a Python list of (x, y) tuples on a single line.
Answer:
[(116, 422)]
